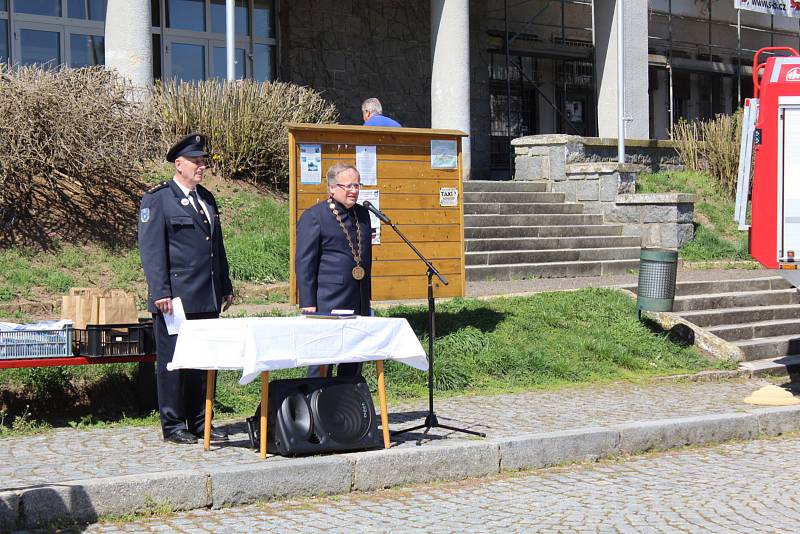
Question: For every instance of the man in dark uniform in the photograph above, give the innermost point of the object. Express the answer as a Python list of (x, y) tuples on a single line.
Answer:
[(180, 243), (333, 258)]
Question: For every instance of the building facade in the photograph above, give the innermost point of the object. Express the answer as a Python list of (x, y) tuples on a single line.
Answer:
[(498, 69)]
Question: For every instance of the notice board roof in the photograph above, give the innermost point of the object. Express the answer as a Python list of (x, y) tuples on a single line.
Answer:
[(376, 129)]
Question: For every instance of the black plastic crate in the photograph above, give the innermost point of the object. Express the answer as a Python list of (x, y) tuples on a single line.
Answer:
[(114, 340)]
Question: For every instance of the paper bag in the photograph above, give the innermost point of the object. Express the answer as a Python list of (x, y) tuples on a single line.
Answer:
[(119, 309), (85, 311)]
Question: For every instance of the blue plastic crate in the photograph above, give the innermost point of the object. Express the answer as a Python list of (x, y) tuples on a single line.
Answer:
[(22, 344)]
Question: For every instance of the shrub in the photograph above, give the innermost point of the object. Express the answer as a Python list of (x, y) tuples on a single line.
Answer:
[(74, 144), (713, 147), (244, 121)]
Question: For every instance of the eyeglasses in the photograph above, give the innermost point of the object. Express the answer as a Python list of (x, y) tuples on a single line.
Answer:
[(349, 187)]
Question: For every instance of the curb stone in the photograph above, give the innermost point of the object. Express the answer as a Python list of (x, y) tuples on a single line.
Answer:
[(279, 478), (86, 500), (424, 464), (673, 433), (535, 451)]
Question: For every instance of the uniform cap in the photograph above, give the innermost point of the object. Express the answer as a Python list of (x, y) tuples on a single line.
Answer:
[(191, 145)]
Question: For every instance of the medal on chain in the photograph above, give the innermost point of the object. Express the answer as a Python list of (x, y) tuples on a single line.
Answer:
[(358, 271)]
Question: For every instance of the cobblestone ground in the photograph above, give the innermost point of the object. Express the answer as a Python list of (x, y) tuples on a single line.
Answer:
[(69, 454), (734, 488)]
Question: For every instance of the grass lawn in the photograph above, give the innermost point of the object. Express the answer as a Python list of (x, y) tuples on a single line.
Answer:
[(716, 236), (483, 346)]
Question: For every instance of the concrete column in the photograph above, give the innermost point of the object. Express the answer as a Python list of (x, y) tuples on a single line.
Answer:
[(129, 45), (450, 90), (636, 79)]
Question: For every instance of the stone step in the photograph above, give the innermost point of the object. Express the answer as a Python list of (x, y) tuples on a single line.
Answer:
[(735, 300), (501, 232), (473, 186), (781, 366), (567, 269), (769, 347), (554, 219), (522, 208), (502, 197), (756, 329), (730, 286), (550, 243), (557, 255), (721, 316)]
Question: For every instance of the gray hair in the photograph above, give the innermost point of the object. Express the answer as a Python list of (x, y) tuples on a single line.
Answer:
[(337, 169), (372, 105)]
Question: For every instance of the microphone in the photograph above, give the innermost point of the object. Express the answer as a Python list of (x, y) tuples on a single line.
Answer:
[(378, 213)]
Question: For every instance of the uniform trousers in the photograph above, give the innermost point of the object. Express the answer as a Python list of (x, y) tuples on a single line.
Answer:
[(181, 393)]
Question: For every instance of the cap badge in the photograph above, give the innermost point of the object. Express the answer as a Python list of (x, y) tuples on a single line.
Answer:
[(196, 138)]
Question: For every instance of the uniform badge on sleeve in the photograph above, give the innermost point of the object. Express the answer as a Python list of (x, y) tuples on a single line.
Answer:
[(144, 215)]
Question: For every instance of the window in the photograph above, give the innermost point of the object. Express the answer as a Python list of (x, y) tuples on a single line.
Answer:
[(51, 8), (239, 15), (86, 50), (262, 18), (3, 5), (221, 62), (87, 9), (39, 46), (186, 15), (3, 41), (188, 62)]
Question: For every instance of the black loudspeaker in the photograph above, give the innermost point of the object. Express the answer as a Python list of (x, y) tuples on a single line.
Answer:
[(316, 415)]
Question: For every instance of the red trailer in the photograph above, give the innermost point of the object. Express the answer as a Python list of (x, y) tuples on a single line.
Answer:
[(771, 135)]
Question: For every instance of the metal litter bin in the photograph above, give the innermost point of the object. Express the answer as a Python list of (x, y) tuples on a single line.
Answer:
[(658, 269)]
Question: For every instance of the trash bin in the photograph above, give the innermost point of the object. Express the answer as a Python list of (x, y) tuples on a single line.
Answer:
[(658, 269)]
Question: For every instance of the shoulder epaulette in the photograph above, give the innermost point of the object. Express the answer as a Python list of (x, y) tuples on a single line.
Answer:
[(155, 188)]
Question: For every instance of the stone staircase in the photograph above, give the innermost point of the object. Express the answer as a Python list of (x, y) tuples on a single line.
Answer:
[(759, 315), (518, 230)]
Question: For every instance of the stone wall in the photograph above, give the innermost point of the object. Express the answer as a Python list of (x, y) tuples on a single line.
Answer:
[(354, 49), (664, 220), (545, 157), (586, 171)]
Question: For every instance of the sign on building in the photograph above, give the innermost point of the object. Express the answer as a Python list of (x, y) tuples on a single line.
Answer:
[(787, 8)]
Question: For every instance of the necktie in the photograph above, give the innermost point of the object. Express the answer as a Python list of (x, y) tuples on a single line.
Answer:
[(200, 210)]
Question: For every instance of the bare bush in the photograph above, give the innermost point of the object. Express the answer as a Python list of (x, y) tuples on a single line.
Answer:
[(73, 147), (245, 122), (713, 147)]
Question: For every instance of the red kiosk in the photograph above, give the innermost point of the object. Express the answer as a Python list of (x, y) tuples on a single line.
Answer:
[(771, 134)]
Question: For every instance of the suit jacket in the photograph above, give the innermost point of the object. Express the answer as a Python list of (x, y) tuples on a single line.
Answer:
[(181, 256), (324, 261)]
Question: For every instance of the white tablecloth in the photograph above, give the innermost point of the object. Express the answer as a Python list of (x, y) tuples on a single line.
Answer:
[(256, 344)]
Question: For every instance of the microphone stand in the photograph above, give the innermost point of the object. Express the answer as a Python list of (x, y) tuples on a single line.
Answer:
[(431, 421)]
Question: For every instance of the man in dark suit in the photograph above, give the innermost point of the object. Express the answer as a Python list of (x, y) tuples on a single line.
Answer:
[(180, 243), (333, 260)]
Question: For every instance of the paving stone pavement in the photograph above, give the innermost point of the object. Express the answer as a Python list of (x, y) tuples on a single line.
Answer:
[(746, 487), (69, 454)]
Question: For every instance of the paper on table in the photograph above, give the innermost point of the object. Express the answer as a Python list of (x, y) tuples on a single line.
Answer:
[(177, 318)]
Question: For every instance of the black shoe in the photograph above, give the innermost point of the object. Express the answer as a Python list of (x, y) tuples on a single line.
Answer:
[(217, 434), (182, 437)]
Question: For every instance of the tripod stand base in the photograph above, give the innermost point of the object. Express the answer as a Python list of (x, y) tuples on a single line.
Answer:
[(431, 421)]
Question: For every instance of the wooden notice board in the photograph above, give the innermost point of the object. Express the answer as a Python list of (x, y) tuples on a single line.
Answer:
[(421, 194)]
